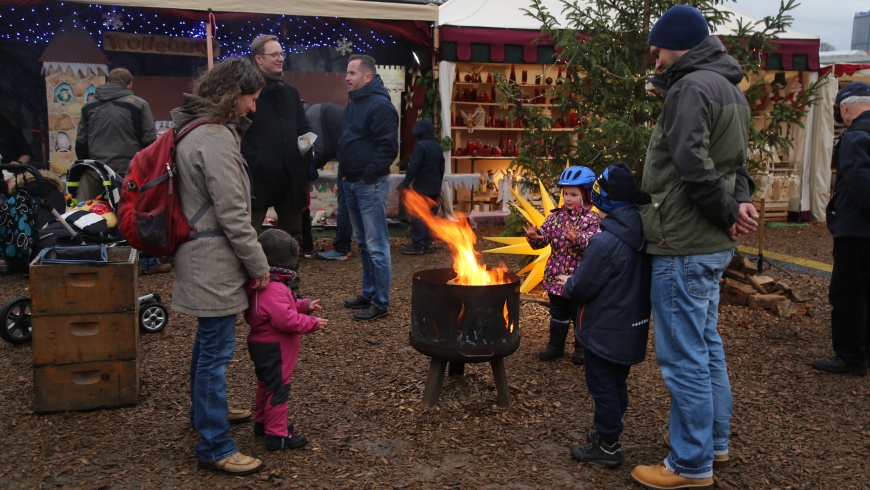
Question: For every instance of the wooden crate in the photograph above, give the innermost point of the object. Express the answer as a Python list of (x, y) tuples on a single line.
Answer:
[(85, 386), (774, 211), (61, 339), (68, 289)]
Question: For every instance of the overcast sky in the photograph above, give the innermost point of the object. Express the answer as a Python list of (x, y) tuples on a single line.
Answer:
[(831, 20)]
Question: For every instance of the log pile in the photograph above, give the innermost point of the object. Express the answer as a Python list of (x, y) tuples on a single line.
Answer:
[(741, 285)]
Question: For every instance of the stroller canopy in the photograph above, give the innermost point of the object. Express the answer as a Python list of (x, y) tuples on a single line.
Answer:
[(87, 179)]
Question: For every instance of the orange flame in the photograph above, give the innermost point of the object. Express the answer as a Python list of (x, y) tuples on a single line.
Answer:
[(470, 271)]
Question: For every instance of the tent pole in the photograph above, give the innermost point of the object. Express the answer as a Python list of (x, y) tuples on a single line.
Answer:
[(760, 261), (209, 48)]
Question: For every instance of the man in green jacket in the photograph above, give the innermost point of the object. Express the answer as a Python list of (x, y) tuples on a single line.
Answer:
[(700, 205)]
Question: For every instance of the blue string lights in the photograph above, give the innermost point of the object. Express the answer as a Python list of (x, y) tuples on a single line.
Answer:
[(39, 24)]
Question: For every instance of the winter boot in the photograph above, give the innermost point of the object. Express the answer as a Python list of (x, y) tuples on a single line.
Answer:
[(598, 451), (556, 345), (579, 356)]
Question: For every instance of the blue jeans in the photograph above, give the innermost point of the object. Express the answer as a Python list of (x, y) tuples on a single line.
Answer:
[(685, 307), (343, 229), (213, 349), (367, 207)]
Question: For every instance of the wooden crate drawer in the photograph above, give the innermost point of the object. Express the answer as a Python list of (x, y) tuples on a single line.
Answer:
[(64, 339), (85, 386), (69, 289)]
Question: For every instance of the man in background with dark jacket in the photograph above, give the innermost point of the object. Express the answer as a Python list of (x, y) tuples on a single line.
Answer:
[(116, 124), (368, 145), (848, 217), (424, 176), (279, 171)]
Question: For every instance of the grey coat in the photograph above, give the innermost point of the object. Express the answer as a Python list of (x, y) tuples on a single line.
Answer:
[(211, 273)]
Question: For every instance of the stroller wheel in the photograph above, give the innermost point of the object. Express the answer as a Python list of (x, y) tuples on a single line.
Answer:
[(15, 321), (153, 317)]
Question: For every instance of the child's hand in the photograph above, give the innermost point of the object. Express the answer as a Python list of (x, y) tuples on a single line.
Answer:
[(322, 322), (562, 279), (531, 231), (571, 234), (314, 305)]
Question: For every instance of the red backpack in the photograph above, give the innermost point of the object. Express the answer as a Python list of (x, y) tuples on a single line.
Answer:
[(149, 209)]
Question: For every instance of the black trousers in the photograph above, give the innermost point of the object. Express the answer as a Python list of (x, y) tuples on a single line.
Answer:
[(849, 295), (605, 381)]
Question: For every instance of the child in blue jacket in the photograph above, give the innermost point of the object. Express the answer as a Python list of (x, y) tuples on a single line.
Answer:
[(612, 290)]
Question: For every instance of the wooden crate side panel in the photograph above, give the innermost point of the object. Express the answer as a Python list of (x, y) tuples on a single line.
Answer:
[(83, 288), (85, 386), (61, 339)]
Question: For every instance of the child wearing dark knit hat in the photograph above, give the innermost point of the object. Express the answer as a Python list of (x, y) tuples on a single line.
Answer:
[(612, 289), (278, 317)]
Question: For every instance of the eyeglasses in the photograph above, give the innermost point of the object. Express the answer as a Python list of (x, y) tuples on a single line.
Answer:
[(279, 54)]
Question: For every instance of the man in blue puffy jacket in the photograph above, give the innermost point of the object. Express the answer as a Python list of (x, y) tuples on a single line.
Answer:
[(368, 145)]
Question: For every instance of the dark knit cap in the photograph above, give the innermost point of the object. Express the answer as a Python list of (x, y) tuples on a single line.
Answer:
[(854, 89), (615, 188), (681, 27), (281, 249)]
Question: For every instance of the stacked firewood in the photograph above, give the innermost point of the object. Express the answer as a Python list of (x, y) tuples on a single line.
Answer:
[(742, 285)]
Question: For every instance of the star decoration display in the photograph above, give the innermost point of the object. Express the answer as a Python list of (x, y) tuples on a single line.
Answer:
[(113, 20), (519, 244), (345, 47)]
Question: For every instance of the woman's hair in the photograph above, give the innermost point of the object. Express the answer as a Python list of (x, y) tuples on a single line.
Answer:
[(223, 84)]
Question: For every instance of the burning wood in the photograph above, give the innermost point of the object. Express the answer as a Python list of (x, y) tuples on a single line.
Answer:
[(458, 235), (741, 286)]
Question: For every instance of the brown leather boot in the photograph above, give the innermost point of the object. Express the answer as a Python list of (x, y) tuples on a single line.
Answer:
[(660, 477), (238, 465)]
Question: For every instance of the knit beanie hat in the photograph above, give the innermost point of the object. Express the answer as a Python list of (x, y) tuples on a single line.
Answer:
[(281, 249), (681, 27), (615, 188)]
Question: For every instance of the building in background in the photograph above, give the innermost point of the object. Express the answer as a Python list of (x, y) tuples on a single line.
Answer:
[(861, 31)]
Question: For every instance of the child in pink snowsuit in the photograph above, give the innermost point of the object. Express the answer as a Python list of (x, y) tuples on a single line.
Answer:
[(277, 318)]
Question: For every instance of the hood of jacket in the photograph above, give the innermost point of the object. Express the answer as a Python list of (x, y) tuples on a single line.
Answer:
[(625, 224), (424, 129), (195, 106), (112, 91), (375, 88), (709, 55)]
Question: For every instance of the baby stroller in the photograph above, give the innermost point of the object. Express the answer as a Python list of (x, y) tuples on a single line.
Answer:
[(30, 220)]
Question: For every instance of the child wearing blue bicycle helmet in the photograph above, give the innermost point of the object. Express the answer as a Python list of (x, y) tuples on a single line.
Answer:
[(567, 230)]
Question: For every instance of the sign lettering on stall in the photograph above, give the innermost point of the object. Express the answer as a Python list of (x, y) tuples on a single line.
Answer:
[(154, 44)]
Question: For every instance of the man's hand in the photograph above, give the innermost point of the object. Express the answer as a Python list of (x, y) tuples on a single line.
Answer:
[(745, 223)]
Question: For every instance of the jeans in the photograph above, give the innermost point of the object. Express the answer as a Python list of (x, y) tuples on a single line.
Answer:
[(420, 236), (213, 349), (685, 307), (849, 295), (367, 207), (343, 229), (605, 381)]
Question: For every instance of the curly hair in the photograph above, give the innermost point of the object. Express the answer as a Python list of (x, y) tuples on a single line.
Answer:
[(223, 84)]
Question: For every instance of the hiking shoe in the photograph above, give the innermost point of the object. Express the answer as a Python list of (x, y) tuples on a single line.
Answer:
[(660, 477), (309, 254), (238, 415), (290, 441), (838, 366), (358, 302), (238, 465), (719, 460), (414, 250), (160, 268), (597, 451), (551, 353), (370, 313), (260, 428), (333, 254)]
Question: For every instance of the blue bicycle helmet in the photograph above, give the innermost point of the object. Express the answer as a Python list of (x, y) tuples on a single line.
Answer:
[(579, 176)]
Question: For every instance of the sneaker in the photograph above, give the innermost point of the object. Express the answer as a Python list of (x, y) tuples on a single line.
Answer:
[(370, 313), (160, 268), (290, 441), (333, 254), (238, 415), (4, 267), (309, 254), (660, 477), (238, 465), (551, 353), (260, 428), (597, 451), (358, 302), (414, 250), (838, 366), (719, 460)]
